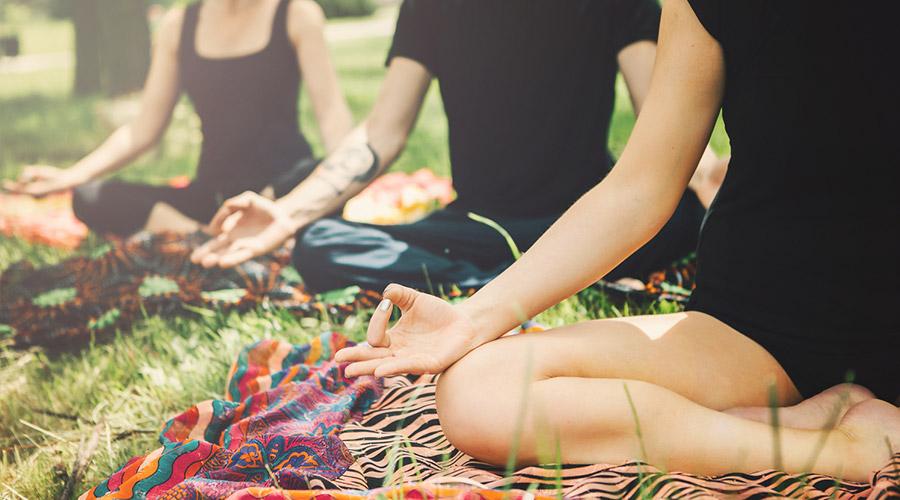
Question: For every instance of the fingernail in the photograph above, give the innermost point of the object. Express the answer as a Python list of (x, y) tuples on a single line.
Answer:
[(384, 305)]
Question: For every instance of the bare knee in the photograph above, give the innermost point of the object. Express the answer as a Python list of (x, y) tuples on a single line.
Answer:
[(476, 406), (86, 204)]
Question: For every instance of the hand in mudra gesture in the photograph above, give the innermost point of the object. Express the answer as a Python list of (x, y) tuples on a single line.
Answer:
[(430, 336), (247, 226), (43, 180)]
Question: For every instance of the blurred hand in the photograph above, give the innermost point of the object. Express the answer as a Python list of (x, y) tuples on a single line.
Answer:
[(42, 180), (246, 226), (430, 336)]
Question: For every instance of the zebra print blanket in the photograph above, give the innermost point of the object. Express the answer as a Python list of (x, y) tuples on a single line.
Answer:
[(291, 426)]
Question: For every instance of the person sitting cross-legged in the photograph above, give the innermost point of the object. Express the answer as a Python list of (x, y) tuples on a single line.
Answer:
[(810, 194), (241, 64), (528, 87)]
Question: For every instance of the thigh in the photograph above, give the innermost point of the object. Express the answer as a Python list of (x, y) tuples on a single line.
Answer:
[(116, 207), (333, 253), (457, 237), (692, 354), (196, 202)]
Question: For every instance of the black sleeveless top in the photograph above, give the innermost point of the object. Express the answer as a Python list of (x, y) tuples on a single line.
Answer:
[(800, 249), (247, 106)]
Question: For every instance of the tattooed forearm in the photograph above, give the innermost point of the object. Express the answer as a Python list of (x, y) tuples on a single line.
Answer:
[(348, 166), (344, 173)]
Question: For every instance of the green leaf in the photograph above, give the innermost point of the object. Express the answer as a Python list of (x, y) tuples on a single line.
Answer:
[(289, 274), (340, 297), (55, 297), (228, 296), (154, 286), (670, 288), (106, 320)]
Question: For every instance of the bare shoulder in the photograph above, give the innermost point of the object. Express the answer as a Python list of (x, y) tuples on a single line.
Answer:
[(168, 35), (304, 17)]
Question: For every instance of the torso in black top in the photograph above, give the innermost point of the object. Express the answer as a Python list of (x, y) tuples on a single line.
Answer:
[(528, 88), (247, 106), (800, 250)]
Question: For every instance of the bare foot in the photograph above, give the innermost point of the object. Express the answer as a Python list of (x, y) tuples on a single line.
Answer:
[(873, 430), (823, 410)]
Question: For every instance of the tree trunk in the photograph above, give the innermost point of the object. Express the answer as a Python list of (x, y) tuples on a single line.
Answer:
[(87, 47), (112, 46)]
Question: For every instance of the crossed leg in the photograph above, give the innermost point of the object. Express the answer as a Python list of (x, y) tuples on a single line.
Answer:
[(567, 388)]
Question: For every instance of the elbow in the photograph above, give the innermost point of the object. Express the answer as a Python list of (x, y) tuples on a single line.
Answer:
[(140, 139)]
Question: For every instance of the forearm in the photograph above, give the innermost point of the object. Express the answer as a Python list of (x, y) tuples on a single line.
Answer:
[(359, 159), (335, 126), (122, 147), (605, 226)]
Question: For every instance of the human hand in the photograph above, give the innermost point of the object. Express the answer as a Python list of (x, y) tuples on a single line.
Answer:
[(246, 226), (43, 180), (430, 336)]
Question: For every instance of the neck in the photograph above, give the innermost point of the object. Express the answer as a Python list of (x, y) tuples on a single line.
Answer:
[(232, 6)]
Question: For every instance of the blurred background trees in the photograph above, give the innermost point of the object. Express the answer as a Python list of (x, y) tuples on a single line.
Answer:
[(113, 37), (112, 45)]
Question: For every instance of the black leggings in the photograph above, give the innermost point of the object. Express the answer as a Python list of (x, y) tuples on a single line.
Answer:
[(448, 248), (122, 208)]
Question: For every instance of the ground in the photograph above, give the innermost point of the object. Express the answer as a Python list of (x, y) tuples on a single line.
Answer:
[(51, 403)]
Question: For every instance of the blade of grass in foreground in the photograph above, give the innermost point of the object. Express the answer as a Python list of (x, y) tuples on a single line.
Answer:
[(776, 427), (503, 232), (643, 492), (520, 422)]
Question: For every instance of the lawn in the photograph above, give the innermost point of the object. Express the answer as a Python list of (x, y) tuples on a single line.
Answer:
[(128, 385)]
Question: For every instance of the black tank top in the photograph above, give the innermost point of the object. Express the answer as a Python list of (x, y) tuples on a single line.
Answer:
[(247, 107), (802, 240)]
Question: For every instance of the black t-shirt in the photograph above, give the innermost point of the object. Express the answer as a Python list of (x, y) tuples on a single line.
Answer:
[(801, 242), (528, 88)]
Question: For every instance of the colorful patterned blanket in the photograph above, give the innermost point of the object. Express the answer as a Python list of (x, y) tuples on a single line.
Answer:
[(64, 304), (291, 426)]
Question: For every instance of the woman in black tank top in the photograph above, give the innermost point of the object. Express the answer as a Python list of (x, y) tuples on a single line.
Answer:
[(797, 278), (240, 63)]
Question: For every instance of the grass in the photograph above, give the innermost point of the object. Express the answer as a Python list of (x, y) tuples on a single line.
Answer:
[(50, 403)]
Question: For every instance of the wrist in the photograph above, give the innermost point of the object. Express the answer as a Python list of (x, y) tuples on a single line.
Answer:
[(75, 177), (487, 322), (286, 218)]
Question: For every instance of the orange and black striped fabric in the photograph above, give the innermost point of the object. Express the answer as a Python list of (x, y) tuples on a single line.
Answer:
[(400, 440)]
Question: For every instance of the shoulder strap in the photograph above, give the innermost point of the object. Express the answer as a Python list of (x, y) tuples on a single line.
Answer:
[(189, 30), (280, 23)]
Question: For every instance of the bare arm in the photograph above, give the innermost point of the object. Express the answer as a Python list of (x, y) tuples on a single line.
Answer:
[(636, 63), (250, 225), (131, 140), (606, 225), (352, 166), (640, 194), (306, 25)]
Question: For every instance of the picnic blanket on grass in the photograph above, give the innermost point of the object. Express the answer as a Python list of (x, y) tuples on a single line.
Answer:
[(292, 426), (64, 304), (47, 221)]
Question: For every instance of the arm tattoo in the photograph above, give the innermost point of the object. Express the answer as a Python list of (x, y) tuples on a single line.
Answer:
[(354, 164)]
